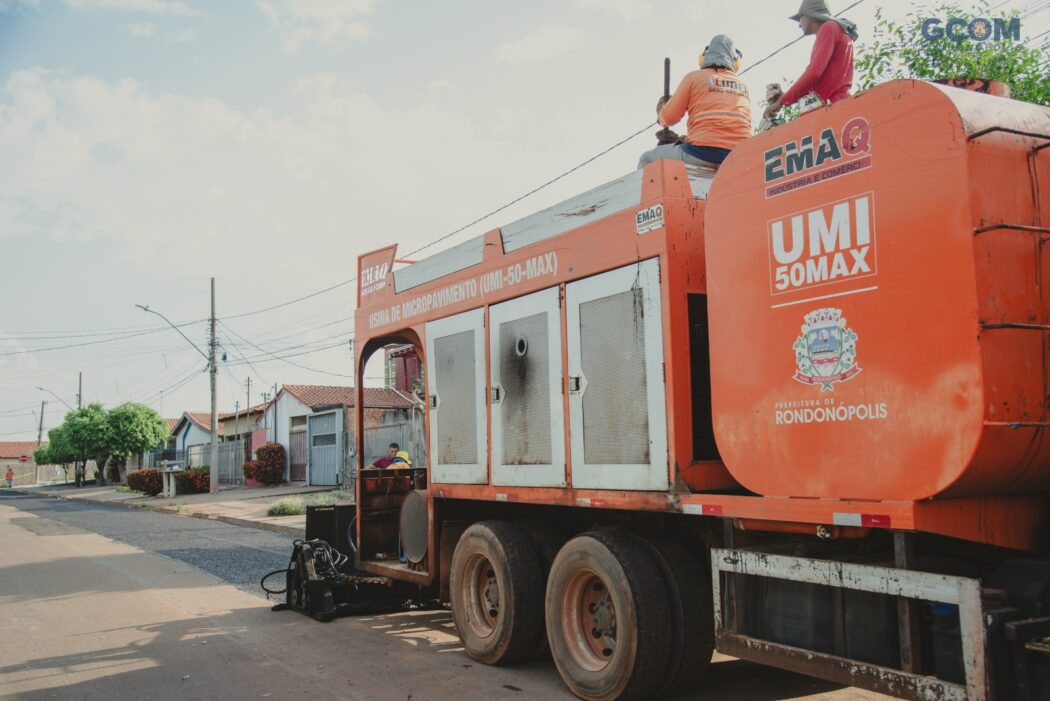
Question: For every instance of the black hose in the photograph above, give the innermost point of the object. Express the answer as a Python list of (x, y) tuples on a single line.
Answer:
[(327, 561)]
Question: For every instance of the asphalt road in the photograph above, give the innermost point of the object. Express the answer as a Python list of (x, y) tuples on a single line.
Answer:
[(234, 554), (102, 602)]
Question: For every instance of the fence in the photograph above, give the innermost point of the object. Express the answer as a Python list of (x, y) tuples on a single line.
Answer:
[(232, 457)]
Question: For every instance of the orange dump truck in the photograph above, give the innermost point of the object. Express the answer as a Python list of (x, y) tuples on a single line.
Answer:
[(796, 411)]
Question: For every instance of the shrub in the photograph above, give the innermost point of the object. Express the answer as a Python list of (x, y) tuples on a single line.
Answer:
[(251, 469), (289, 506), (269, 461), (148, 481), (196, 480)]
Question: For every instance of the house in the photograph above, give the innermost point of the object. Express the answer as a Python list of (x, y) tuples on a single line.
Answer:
[(18, 455), (316, 424), (193, 428), (243, 425)]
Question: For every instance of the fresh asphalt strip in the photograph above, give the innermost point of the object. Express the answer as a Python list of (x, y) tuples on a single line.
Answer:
[(235, 554)]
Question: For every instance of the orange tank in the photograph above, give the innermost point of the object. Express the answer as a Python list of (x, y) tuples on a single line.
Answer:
[(879, 295)]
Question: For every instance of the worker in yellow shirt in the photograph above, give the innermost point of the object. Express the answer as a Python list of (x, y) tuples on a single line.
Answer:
[(717, 102)]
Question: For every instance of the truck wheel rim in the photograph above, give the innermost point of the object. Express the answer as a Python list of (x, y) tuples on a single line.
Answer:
[(481, 595), (588, 618)]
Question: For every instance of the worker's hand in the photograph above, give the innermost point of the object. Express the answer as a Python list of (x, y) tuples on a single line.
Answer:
[(661, 102), (773, 108)]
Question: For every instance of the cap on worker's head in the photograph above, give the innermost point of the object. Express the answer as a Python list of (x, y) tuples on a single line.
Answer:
[(402, 455), (817, 9), (720, 52)]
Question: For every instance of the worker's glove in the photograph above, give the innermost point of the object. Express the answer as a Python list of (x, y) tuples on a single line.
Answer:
[(661, 102)]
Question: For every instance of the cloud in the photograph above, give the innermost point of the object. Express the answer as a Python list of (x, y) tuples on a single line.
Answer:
[(9, 5), (180, 36), (325, 22), (439, 84), (628, 9), (142, 30), (543, 44), (160, 179), (153, 7)]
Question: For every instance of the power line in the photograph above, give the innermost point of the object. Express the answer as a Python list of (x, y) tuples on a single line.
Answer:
[(26, 351), (791, 43), (462, 228), (290, 362)]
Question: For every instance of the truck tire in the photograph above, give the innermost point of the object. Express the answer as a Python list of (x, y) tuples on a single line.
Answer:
[(496, 587), (687, 580), (547, 539), (608, 620)]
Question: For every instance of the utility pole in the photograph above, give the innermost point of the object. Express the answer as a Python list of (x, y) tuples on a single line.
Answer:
[(40, 431), (248, 416), (214, 372), (80, 469)]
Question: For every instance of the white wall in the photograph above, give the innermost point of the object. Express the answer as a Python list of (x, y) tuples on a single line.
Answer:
[(287, 406), (192, 434)]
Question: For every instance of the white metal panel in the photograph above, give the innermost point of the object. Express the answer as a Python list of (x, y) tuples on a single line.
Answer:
[(531, 471), (642, 282), (458, 471), (459, 257), (590, 206)]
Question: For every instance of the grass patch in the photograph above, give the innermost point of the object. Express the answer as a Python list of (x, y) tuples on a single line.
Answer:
[(296, 505), (124, 488), (330, 498), (288, 506), (181, 508)]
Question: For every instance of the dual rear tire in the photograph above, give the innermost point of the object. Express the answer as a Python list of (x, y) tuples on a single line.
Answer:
[(625, 617)]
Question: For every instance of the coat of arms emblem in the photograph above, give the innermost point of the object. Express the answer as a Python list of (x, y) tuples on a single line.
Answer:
[(826, 352)]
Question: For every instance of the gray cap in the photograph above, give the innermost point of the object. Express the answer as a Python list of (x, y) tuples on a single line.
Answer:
[(818, 10), (720, 52)]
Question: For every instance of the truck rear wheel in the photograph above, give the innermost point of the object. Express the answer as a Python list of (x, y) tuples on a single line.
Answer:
[(608, 620), (687, 579), (496, 587)]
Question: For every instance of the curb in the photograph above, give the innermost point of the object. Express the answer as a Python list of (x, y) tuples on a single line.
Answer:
[(171, 510), (234, 521)]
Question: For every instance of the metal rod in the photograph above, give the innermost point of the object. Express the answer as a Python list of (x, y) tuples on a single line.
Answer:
[(1016, 227), (907, 609)]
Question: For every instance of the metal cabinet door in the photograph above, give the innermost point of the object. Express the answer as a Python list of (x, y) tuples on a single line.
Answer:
[(456, 383), (617, 415), (525, 380), (325, 451)]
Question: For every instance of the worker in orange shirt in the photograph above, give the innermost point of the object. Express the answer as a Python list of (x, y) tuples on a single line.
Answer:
[(717, 102), (10, 477)]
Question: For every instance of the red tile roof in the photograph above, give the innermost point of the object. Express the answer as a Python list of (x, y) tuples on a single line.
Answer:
[(322, 395), (202, 419), (12, 450), (257, 409), (172, 423)]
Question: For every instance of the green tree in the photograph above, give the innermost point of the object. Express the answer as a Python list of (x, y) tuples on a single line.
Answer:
[(58, 450), (899, 50), (90, 437), (134, 429)]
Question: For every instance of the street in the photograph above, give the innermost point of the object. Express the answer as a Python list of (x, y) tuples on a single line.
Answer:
[(100, 602)]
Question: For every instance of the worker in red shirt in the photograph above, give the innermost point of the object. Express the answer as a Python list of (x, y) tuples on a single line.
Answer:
[(718, 105), (830, 70)]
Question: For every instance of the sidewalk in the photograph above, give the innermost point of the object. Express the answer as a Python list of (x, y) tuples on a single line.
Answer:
[(237, 505)]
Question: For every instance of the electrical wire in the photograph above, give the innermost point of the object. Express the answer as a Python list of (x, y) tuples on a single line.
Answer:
[(792, 42), (290, 362)]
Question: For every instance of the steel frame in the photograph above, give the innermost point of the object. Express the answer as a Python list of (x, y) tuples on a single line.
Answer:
[(910, 584)]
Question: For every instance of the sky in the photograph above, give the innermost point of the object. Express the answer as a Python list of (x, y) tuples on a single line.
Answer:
[(147, 146)]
